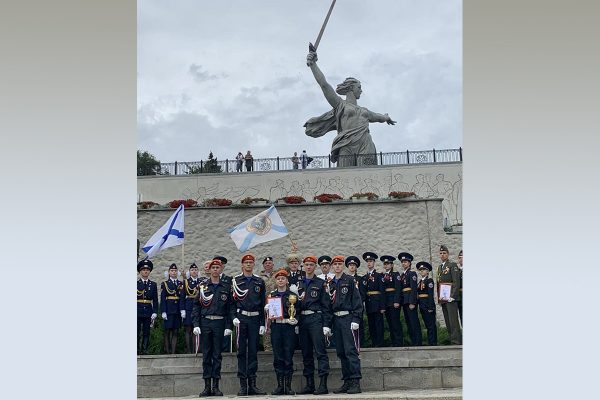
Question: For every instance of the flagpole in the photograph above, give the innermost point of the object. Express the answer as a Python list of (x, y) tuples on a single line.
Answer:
[(183, 256)]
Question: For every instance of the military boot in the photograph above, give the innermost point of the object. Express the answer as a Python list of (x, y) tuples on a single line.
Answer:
[(343, 388), (310, 385), (354, 386), (322, 386), (207, 389), (252, 389), (215, 388), (279, 390), (243, 387), (287, 385)]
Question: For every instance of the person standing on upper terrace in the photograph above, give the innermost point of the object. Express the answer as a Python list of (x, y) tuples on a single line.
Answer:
[(249, 161), (349, 119)]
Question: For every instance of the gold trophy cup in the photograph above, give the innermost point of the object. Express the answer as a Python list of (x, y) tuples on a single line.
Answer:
[(292, 311)]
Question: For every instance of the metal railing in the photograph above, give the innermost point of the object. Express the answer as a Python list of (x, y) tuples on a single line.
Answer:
[(318, 162)]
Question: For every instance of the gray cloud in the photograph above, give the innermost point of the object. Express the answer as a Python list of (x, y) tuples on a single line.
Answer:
[(256, 91)]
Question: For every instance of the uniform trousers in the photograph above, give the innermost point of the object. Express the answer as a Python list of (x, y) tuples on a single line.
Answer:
[(429, 320), (143, 326), (450, 311), (212, 342), (248, 345), (376, 328), (413, 325), (283, 348), (312, 338), (392, 315), (345, 347)]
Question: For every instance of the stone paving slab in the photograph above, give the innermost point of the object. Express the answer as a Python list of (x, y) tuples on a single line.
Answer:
[(424, 394)]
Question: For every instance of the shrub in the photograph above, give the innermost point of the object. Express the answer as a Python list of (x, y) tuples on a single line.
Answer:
[(217, 203), (400, 195), (368, 195), (293, 199), (186, 203), (146, 204), (250, 200), (328, 197)]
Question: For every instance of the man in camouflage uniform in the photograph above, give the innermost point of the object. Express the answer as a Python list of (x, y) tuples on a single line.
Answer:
[(449, 273), (268, 276)]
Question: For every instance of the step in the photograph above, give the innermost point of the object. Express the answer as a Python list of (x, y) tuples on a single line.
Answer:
[(421, 394)]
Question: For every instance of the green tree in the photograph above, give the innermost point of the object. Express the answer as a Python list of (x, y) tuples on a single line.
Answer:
[(147, 164), (210, 166)]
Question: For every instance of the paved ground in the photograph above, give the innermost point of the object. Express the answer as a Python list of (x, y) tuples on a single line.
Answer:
[(429, 394)]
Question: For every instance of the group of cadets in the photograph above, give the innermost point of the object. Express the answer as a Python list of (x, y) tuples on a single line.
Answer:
[(328, 311)]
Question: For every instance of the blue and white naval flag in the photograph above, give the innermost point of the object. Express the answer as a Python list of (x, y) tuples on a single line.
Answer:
[(169, 235), (261, 228)]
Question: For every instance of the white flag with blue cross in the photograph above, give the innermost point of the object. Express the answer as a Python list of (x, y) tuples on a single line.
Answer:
[(261, 228), (169, 235)]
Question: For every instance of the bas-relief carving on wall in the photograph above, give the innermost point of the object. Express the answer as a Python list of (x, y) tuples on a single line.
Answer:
[(425, 185)]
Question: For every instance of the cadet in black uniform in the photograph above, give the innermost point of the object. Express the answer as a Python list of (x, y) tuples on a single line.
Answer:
[(408, 285), (249, 301), (346, 306), (282, 330), (426, 302), (352, 263), (227, 279), (372, 287), (212, 316), (186, 303), (170, 311), (315, 325), (147, 305), (390, 280)]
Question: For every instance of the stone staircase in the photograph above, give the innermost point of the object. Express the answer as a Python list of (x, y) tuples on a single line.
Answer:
[(393, 372)]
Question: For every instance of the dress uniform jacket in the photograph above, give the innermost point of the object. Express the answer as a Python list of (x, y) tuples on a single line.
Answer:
[(187, 296), (254, 300), (315, 298), (450, 273), (372, 287), (221, 304), (346, 297), (170, 296), (425, 294), (147, 298), (408, 286), (294, 277), (391, 287)]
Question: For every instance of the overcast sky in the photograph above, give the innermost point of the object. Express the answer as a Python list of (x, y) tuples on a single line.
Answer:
[(231, 75)]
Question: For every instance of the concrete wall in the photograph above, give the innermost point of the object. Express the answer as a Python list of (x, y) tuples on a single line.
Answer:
[(385, 227), (389, 369), (439, 180)]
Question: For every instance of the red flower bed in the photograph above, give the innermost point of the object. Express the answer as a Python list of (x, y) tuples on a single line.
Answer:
[(368, 195), (186, 203), (293, 199), (217, 202), (147, 204), (401, 195), (328, 197)]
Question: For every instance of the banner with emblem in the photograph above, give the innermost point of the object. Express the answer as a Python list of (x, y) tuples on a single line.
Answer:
[(261, 228)]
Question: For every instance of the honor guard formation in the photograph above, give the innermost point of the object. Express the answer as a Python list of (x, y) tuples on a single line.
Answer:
[(298, 308)]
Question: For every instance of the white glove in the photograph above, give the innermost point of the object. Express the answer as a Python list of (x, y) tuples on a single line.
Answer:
[(262, 330), (354, 326), (293, 322), (294, 289), (196, 331), (326, 331), (236, 322), (153, 316), (266, 307), (450, 300), (183, 314), (297, 330), (164, 316), (228, 332)]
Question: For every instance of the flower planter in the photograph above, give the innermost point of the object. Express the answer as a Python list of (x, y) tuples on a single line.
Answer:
[(359, 199)]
